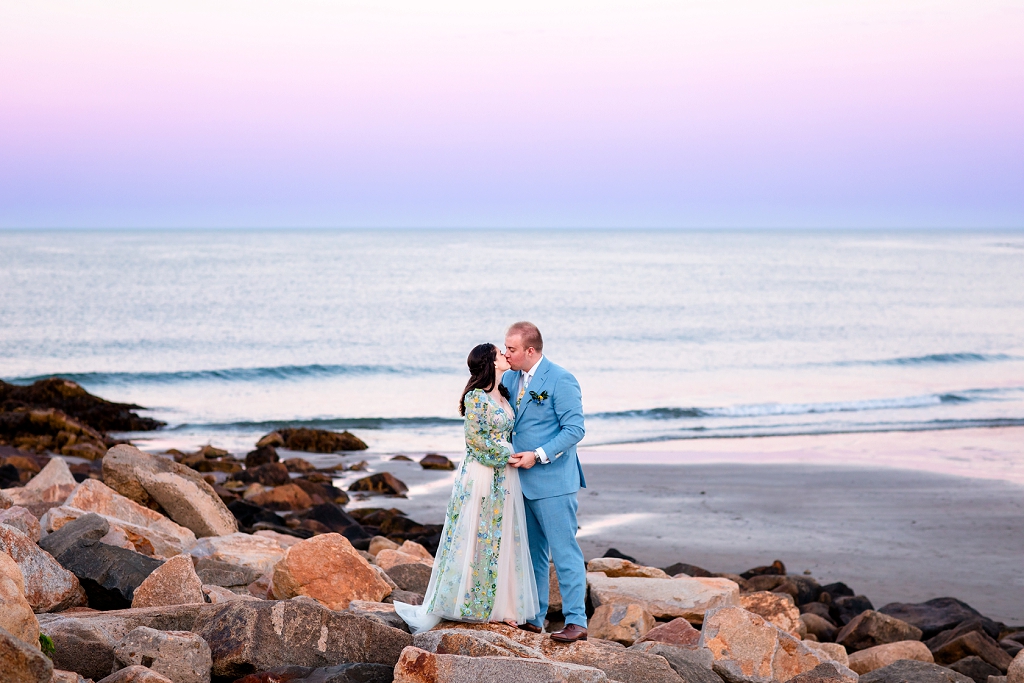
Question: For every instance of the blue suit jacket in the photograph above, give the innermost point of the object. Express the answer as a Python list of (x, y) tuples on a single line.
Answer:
[(555, 424)]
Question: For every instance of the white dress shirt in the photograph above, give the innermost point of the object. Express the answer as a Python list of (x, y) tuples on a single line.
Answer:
[(525, 376)]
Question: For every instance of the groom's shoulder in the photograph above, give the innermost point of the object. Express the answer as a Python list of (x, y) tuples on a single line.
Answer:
[(558, 371), (508, 376)]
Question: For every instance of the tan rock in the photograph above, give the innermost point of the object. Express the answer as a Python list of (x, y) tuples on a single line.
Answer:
[(414, 548), (472, 644), (378, 543), (154, 481), (689, 598), (749, 649), (678, 632), (15, 613), (828, 672), (181, 656), (620, 622), (48, 586), (619, 663), (778, 608), (1015, 672), (5, 500), (271, 439), (615, 567), (386, 559), (834, 651), (286, 497), (135, 674), (972, 643), (328, 569), (175, 582), (883, 655), (118, 537), (870, 628), (284, 540), (21, 662), (370, 606), (219, 594), (420, 666), (52, 480), (143, 527), (22, 520), (247, 550), (66, 677)]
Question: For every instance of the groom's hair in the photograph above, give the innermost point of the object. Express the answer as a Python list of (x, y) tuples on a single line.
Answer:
[(529, 333)]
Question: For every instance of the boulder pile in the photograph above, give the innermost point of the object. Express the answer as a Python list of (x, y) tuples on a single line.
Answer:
[(206, 568)]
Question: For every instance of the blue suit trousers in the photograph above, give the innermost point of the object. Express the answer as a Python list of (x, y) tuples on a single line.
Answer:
[(551, 524)]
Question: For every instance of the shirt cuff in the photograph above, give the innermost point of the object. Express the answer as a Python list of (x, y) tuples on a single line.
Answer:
[(542, 456)]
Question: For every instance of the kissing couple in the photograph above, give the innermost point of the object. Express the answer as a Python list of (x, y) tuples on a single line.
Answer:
[(513, 505)]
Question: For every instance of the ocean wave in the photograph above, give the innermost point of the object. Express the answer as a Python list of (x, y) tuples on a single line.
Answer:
[(333, 424), (761, 431), (279, 372), (935, 359), (771, 409)]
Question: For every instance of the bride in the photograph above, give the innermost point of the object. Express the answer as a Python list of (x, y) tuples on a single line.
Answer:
[(482, 571)]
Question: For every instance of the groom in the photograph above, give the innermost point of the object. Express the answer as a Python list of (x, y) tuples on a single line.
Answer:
[(549, 424)]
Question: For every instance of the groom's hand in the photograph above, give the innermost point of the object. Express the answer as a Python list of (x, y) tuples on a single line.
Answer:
[(524, 460)]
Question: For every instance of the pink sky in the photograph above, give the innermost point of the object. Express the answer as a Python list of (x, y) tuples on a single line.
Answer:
[(725, 113)]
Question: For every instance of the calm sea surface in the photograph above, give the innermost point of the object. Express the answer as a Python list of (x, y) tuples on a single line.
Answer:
[(225, 335)]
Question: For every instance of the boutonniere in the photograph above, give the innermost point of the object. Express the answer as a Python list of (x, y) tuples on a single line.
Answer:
[(538, 398)]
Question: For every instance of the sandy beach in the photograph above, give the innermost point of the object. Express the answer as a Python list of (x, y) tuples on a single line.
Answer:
[(902, 532)]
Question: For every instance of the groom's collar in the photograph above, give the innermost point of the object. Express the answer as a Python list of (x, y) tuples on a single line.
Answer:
[(532, 371)]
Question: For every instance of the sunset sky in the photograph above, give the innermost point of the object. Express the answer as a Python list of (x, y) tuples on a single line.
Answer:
[(708, 113)]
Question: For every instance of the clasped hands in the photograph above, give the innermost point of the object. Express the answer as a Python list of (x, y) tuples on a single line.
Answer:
[(524, 460)]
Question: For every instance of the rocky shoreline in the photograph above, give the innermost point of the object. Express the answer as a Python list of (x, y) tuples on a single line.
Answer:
[(202, 567)]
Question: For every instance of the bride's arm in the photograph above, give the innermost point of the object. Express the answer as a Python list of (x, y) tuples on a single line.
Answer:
[(483, 441)]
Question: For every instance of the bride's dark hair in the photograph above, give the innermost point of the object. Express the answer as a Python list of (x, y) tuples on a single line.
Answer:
[(481, 373)]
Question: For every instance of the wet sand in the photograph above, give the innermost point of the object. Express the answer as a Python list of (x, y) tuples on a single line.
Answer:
[(905, 533)]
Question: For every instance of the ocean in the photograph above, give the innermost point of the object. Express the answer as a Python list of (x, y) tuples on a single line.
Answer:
[(226, 335)]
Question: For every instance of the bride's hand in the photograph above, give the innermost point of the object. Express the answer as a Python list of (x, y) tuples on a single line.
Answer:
[(524, 460)]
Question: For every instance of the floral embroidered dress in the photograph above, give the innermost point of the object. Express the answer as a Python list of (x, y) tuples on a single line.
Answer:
[(482, 571)]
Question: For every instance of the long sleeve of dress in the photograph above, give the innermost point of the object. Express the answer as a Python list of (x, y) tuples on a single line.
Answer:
[(485, 442)]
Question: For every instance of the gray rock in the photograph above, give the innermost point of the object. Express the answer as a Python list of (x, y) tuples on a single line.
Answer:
[(912, 671), (827, 672), (408, 597), (844, 609), (420, 666), (217, 573), (108, 574), (821, 628), (819, 609), (181, 656), (935, 616), (81, 646), (342, 673), (136, 674), (249, 636), (412, 577), (870, 628), (90, 527), (973, 643), (976, 668), (979, 624), (693, 666), (386, 618), (21, 662)]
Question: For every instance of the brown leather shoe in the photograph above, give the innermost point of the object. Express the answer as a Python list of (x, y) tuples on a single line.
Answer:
[(530, 628), (570, 634)]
